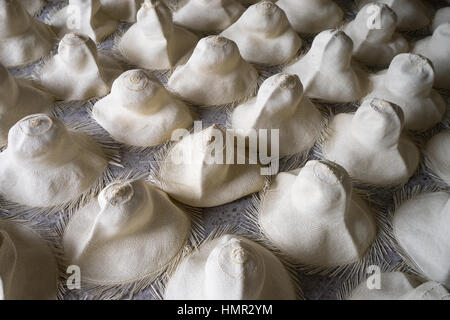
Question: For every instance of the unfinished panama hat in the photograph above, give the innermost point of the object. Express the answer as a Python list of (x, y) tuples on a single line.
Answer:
[(327, 70), (370, 144), (375, 41), (230, 267), (85, 17), (19, 98), (131, 232), (437, 49), (154, 42), (420, 226), (437, 155), (221, 14), (264, 35), (195, 171), (409, 84), (24, 39), (442, 16), (400, 286), (412, 14), (312, 16), (312, 215), (28, 270), (215, 74), (140, 112), (46, 165), (77, 71), (280, 104), (33, 7), (123, 10)]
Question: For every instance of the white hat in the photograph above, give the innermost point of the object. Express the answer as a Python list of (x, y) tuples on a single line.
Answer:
[(409, 84), (312, 215), (264, 35), (123, 10), (19, 98), (312, 16), (207, 15), (140, 112), (154, 42), (195, 172), (376, 43), (327, 70), (77, 71), (33, 6), (281, 105), (28, 270), (133, 231), (24, 39), (46, 165), (400, 286), (420, 226), (230, 268), (412, 14), (85, 17), (441, 16), (437, 155), (371, 145), (215, 74), (437, 49)]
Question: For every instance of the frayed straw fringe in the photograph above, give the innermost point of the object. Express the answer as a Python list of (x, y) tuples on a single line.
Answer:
[(400, 198), (112, 155), (50, 237), (375, 254), (153, 283)]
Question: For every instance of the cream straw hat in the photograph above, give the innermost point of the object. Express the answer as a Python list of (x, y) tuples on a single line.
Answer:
[(46, 165), (131, 233), (376, 44), (77, 71), (412, 14), (24, 39), (327, 70), (280, 104), (154, 42), (221, 14), (215, 74), (28, 270), (264, 35), (86, 17), (312, 16), (437, 49), (371, 145), (140, 112), (19, 98), (230, 267), (437, 155), (191, 174), (408, 83)]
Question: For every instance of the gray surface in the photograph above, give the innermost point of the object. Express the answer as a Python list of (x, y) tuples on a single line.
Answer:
[(314, 287)]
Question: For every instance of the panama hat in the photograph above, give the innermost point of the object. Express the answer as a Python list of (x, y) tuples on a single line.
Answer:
[(140, 112), (154, 42)]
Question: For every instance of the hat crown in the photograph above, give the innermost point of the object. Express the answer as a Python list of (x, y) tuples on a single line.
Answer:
[(377, 21), (234, 270), (155, 19), (331, 49), (78, 51), (39, 137), (215, 54), (378, 122), (410, 74), (323, 189), (442, 35), (265, 17), (14, 19)]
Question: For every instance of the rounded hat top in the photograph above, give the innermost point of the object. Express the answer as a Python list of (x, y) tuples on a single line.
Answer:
[(264, 16), (154, 16), (77, 51), (377, 20), (215, 53)]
